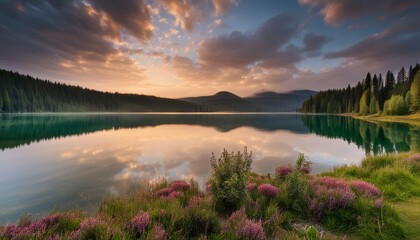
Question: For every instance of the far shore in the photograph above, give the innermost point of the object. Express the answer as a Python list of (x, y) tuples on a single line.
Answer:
[(413, 119)]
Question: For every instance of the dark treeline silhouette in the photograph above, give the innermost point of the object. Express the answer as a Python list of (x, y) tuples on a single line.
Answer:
[(374, 138), (388, 95), (23, 93)]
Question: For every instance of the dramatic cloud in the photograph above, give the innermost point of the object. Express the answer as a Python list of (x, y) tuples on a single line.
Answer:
[(134, 16), (314, 42), (222, 6), (82, 38), (336, 11), (269, 46), (398, 42), (187, 13)]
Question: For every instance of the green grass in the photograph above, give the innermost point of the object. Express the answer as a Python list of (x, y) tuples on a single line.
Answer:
[(302, 207), (395, 174), (398, 177), (409, 212)]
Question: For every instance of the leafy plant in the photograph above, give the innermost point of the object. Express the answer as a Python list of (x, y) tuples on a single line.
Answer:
[(229, 178)]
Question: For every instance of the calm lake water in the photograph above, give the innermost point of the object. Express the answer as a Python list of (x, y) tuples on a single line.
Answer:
[(73, 160)]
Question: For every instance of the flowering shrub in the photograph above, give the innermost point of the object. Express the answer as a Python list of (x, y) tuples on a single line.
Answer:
[(28, 229), (367, 189), (228, 180), (329, 193), (283, 171), (251, 230), (175, 194), (140, 222), (180, 186), (268, 190), (235, 220), (164, 191)]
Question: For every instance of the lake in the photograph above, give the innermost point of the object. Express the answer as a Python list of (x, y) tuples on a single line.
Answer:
[(73, 160)]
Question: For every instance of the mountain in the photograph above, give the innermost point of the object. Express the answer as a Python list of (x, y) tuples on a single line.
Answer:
[(280, 102), (223, 101), (23, 93), (260, 102)]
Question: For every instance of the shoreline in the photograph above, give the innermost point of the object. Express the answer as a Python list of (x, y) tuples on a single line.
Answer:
[(412, 119)]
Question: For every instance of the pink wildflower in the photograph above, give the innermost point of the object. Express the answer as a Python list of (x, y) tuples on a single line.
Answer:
[(90, 223), (51, 220), (236, 219), (175, 194), (367, 189), (159, 232), (251, 186), (329, 193), (140, 222), (251, 230), (164, 191), (85, 226), (268, 190), (55, 237), (283, 171), (180, 186), (306, 170), (208, 187), (379, 202), (415, 157)]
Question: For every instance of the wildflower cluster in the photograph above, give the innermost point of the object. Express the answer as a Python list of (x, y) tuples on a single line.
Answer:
[(330, 193), (89, 228), (140, 222), (365, 188), (268, 190), (175, 189), (283, 171), (238, 225)]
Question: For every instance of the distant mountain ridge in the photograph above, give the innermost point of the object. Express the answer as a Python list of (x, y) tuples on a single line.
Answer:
[(260, 102), (23, 93)]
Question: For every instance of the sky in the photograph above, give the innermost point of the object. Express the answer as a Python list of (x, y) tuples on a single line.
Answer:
[(183, 48)]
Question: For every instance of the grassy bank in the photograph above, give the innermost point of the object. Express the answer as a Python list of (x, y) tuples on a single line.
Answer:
[(292, 203), (398, 177), (413, 119)]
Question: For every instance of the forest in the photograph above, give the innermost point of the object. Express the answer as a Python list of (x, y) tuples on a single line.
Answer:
[(387, 95), (23, 93)]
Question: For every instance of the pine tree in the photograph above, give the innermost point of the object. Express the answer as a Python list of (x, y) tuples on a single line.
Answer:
[(401, 76), (415, 94), (373, 106), (7, 104), (1, 102), (389, 84), (364, 103)]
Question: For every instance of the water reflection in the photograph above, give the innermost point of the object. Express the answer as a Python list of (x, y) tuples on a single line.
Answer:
[(49, 160), (374, 138)]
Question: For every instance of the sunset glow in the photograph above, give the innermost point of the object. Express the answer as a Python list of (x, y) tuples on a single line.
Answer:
[(173, 48)]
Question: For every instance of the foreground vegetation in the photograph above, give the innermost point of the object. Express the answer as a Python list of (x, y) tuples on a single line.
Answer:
[(238, 204)]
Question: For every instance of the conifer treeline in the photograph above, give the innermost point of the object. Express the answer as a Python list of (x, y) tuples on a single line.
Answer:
[(23, 93), (387, 95)]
